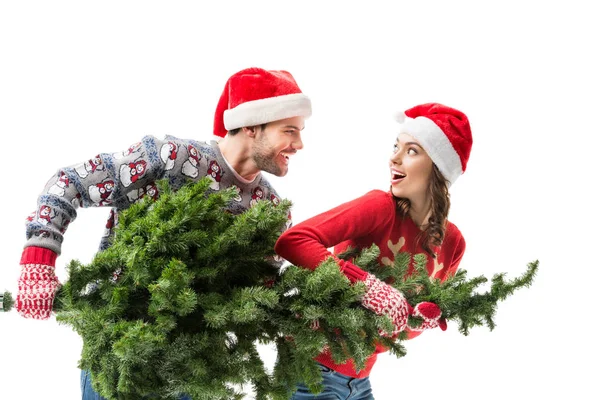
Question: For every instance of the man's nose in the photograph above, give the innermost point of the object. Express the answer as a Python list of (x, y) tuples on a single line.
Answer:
[(297, 144)]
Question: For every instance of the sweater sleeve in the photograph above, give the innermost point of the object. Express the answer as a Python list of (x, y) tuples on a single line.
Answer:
[(107, 179), (307, 243)]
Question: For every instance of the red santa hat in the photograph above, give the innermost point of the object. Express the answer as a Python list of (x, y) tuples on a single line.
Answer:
[(255, 96), (444, 133)]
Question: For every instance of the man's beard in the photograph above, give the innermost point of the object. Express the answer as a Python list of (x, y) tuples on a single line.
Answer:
[(264, 157)]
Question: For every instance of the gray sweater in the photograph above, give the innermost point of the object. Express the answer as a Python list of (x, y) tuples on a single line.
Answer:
[(119, 179)]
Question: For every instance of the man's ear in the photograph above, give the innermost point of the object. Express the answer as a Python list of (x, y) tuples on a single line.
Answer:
[(250, 131)]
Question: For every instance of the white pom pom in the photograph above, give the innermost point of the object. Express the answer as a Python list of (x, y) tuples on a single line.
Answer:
[(400, 116)]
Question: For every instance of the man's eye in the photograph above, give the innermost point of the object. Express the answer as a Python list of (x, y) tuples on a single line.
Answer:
[(395, 148)]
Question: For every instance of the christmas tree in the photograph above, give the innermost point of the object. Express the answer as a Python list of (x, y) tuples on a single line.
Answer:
[(6, 301), (186, 292), (178, 302)]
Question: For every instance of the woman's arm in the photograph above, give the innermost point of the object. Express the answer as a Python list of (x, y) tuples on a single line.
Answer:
[(306, 244)]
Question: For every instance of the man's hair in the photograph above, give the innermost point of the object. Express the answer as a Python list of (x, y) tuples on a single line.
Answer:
[(235, 131)]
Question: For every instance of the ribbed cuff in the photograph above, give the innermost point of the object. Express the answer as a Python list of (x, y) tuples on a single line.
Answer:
[(38, 255), (353, 272)]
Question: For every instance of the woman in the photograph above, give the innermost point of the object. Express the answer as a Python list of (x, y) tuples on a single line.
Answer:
[(430, 153)]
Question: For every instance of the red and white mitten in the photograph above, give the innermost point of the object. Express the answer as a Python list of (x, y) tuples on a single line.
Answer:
[(383, 299), (431, 315), (37, 287)]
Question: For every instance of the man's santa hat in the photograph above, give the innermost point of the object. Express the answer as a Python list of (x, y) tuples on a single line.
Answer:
[(255, 96), (443, 132)]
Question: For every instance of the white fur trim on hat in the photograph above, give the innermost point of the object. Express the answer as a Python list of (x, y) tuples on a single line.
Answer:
[(271, 109), (435, 142)]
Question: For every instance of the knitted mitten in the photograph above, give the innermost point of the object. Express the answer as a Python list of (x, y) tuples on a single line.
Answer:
[(37, 284), (384, 299), (431, 315)]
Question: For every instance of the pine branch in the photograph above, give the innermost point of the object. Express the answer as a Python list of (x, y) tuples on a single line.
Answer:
[(6, 301), (458, 297)]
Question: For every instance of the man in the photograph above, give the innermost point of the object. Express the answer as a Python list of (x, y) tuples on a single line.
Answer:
[(260, 116)]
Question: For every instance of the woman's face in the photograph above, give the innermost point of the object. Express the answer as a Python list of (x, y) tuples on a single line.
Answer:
[(410, 168)]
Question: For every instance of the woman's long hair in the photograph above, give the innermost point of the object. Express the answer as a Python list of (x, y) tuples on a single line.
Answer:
[(434, 232)]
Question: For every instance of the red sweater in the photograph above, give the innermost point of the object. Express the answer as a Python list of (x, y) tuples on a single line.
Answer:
[(372, 218)]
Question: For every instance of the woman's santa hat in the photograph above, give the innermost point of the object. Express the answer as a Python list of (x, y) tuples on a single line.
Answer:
[(443, 132), (255, 96)]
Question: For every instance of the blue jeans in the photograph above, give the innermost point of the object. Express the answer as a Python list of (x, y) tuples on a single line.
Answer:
[(337, 386), (88, 392)]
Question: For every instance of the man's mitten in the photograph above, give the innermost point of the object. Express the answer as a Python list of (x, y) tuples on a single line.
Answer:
[(37, 286)]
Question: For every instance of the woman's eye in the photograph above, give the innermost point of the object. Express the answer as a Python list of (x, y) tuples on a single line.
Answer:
[(412, 151), (395, 148)]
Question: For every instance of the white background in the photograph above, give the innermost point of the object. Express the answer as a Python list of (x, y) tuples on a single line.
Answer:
[(78, 78)]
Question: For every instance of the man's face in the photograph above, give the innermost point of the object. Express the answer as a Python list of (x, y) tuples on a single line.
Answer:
[(273, 146)]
